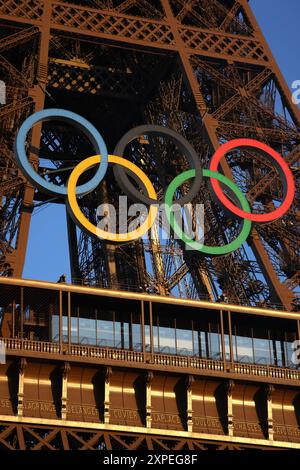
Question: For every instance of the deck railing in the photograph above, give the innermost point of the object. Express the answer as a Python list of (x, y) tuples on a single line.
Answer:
[(166, 360)]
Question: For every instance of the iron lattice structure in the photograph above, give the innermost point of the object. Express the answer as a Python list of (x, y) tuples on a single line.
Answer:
[(200, 67), (224, 378), (16, 436)]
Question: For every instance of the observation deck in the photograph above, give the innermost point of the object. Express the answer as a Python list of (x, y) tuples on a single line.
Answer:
[(143, 366)]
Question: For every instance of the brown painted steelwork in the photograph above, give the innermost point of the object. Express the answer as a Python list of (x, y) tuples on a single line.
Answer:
[(210, 64), (50, 437), (31, 393), (204, 69), (55, 381)]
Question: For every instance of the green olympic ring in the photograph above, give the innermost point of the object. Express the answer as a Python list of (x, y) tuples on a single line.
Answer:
[(195, 245)]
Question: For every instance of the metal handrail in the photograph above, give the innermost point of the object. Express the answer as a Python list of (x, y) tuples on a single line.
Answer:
[(192, 362), (141, 289)]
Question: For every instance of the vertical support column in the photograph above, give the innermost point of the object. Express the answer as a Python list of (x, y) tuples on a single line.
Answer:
[(151, 328), (60, 322), (143, 326), (73, 249), (277, 288), (22, 367), (269, 395), (111, 266), (109, 250), (149, 378), (64, 391), (13, 328), (37, 92), (22, 313), (21, 439), (141, 264), (108, 374), (158, 265), (230, 387), (223, 339), (189, 391), (69, 322), (230, 341)]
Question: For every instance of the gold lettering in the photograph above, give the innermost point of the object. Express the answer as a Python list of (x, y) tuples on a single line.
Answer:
[(199, 421), (290, 431), (82, 409), (166, 418), (126, 414), (4, 403), (41, 406), (251, 427), (203, 422)]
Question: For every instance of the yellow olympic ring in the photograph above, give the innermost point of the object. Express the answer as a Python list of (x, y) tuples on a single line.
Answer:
[(84, 222)]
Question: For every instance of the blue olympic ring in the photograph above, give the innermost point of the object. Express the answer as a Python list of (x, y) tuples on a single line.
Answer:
[(80, 123)]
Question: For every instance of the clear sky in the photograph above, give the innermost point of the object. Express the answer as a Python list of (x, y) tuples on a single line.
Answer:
[(47, 254), (280, 24)]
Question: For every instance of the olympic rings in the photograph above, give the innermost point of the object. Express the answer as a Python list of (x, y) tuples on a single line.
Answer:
[(182, 144), (125, 168), (86, 224), (195, 245), (271, 155), (80, 123)]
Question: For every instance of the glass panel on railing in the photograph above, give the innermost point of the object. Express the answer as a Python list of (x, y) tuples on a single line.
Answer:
[(290, 337), (105, 330), (184, 337), (243, 349), (155, 339), (166, 335), (215, 346), (261, 347), (227, 346), (87, 331), (278, 355), (55, 329), (204, 350), (64, 329), (184, 342), (136, 334), (147, 338), (243, 343), (121, 339), (167, 340), (196, 343)]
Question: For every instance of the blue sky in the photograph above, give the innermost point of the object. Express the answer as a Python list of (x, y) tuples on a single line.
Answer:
[(47, 253), (279, 21)]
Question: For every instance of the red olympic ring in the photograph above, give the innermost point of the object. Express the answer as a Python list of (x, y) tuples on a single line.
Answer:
[(284, 170)]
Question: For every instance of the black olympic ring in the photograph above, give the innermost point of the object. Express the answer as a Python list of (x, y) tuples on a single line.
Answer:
[(121, 173)]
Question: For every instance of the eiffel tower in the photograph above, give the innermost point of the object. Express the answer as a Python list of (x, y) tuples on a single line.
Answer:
[(204, 69)]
